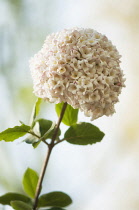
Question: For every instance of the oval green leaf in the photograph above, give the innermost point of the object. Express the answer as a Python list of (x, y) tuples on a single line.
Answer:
[(11, 134), (83, 134), (45, 126), (8, 197), (70, 116), (19, 205), (35, 111), (54, 199), (30, 180)]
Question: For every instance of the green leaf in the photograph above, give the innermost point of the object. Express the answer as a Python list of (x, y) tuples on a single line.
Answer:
[(36, 144), (19, 205), (45, 136), (70, 116), (35, 111), (30, 180), (54, 199), (46, 126), (83, 134), (11, 134), (8, 197)]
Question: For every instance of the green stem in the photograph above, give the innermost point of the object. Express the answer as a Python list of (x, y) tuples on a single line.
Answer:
[(50, 147)]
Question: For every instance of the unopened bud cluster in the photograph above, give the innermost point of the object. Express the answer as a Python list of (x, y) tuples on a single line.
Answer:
[(81, 67)]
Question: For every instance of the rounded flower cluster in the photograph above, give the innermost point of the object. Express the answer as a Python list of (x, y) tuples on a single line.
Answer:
[(81, 67)]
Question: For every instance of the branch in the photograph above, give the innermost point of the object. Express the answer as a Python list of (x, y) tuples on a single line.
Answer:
[(50, 147)]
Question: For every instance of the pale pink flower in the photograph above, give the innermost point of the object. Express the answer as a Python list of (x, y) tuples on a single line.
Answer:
[(81, 67)]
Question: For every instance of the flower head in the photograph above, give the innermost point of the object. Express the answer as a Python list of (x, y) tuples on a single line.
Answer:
[(81, 67)]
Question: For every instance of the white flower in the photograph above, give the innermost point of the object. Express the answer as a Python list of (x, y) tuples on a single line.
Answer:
[(81, 67)]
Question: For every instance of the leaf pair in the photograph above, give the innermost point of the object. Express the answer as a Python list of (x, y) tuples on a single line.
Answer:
[(78, 133), (56, 200), (19, 201), (19, 205)]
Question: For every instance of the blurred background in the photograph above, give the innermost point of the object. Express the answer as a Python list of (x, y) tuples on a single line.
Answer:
[(104, 176)]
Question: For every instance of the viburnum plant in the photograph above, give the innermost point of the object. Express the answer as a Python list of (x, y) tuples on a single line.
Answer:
[(75, 69)]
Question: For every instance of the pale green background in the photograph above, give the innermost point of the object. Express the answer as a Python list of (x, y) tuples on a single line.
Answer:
[(100, 177)]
